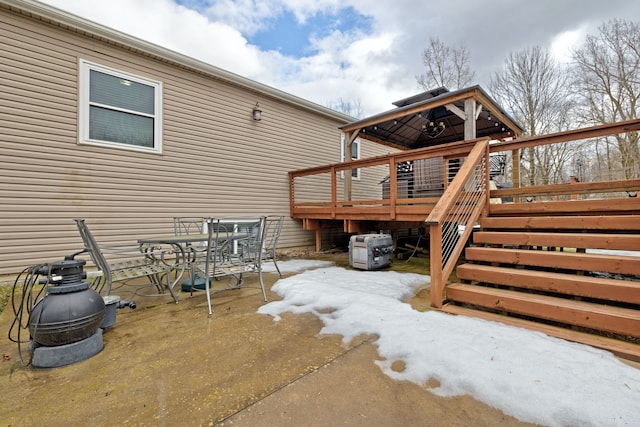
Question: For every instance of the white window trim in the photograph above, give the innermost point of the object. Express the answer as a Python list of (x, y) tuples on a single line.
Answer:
[(343, 158), (83, 121)]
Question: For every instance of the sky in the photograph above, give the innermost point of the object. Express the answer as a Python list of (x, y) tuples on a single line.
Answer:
[(359, 51), (526, 374)]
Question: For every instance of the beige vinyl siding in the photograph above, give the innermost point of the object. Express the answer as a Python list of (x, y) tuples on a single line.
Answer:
[(368, 186), (216, 160)]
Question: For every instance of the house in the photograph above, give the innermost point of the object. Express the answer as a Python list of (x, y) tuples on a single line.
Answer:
[(101, 125)]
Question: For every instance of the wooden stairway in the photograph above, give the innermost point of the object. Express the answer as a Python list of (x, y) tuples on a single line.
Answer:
[(536, 272)]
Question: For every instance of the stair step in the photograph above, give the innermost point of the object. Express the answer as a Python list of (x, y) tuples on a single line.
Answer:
[(572, 284), (617, 264), (569, 222), (623, 349), (626, 242), (616, 320), (604, 207)]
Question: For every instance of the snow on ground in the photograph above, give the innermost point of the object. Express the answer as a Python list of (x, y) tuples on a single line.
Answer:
[(531, 376), (294, 266)]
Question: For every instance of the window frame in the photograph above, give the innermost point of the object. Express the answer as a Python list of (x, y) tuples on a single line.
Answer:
[(355, 173), (85, 68)]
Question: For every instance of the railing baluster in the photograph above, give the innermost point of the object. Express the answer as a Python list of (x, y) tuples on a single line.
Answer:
[(393, 187), (334, 192)]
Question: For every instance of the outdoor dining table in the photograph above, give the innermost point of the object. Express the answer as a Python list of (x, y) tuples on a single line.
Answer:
[(182, 247)]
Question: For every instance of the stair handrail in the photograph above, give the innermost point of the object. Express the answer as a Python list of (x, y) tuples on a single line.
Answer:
[(452, 219)]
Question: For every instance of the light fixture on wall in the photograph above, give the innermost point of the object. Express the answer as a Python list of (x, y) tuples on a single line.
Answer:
[(257, 112)]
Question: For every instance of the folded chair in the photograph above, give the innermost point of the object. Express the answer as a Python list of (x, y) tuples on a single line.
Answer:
[(123, 263), (272, 235)]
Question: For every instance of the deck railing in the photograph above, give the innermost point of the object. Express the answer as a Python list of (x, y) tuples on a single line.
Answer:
[(378, 189), (452, 219), (564, 188), (571, 172)]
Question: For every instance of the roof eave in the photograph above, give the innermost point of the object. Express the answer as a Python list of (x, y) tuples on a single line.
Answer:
[(438, 101)]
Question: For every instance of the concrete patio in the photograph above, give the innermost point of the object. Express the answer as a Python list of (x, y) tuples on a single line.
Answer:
[(168, 364)]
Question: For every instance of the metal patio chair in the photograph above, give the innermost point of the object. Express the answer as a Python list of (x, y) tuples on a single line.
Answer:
[(188, 225), (272, 235), (123, 263), (184, 226), (230, 254)]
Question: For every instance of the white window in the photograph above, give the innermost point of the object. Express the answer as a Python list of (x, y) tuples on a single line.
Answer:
[(355, 155), (119, 110)]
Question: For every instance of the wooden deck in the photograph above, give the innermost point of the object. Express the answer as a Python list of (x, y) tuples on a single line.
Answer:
[(535, 261)]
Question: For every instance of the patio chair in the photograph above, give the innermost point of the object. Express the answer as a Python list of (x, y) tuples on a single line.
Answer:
[(184, 226), (123, 263), (272, 235), (230, 254), (188, 225)]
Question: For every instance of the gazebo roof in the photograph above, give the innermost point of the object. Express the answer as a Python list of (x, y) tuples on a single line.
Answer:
[(433, 118)]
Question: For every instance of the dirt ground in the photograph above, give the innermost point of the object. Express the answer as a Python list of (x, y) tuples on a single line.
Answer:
[(166, 364)]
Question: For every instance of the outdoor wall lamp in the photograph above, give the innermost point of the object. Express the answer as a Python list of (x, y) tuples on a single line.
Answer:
[(257, 112)]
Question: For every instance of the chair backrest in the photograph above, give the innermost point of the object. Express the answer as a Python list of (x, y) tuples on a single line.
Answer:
[(273, 227), (253, 245), (94, 252), (184, 225), (217, 245), (249, 247)]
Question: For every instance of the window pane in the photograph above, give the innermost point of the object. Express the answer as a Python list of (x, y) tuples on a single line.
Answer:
[(116, 126), (355, 145), (121, 93)]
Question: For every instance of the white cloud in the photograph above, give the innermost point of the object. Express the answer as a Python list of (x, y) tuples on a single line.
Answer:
[(246, 16), (183, 30), (565, 42), (376, 65)]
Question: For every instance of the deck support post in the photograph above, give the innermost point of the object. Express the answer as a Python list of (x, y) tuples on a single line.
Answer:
[(435, 256), (318, 239)]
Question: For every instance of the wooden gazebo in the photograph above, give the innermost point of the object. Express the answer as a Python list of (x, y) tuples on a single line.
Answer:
[(427, 130)]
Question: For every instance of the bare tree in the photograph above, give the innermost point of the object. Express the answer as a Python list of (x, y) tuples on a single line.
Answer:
[(607, 79), (533, 88), (445, 66), (351, 108)]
